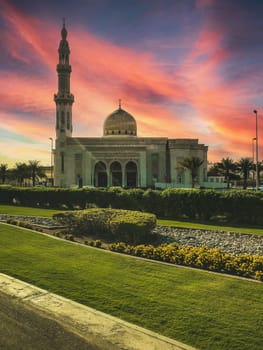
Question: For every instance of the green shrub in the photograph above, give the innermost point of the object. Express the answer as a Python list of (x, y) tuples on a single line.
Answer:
[(12, 221), (129, 226), (238, 206), (89, 221), (22, 223), (132, 226), (97, 243), (152, 202), (69, 237)]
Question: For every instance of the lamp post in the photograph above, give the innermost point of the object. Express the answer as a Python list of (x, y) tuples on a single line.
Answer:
[(253, 159), (51, 161), (257, 179)]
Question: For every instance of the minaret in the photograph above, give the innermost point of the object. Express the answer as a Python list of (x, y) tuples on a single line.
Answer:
[(64, 99)]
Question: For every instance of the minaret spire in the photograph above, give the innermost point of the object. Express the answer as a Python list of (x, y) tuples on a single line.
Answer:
[(64, 99)]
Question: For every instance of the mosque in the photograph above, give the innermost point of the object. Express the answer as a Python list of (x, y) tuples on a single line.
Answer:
[(119, 157)]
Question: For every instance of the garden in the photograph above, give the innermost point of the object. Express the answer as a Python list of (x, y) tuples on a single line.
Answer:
[(190, 305)]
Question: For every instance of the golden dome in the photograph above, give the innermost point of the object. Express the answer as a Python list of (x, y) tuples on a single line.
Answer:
[(120, 123)]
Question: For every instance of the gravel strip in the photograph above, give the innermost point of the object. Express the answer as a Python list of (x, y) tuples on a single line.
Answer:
[(229, 242), (35, 220)]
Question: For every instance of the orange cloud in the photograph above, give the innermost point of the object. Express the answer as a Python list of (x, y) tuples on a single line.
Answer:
[(192, 101)]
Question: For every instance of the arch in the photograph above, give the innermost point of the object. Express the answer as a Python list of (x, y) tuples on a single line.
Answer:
[(116, 174), (131, 174), (100, 175)]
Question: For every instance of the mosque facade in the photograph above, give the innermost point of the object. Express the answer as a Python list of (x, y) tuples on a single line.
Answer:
[(119, 157)]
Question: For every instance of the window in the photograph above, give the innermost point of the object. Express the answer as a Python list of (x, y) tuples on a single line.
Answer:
[(179, 179), (68, 121), (62, 162), (62, 118), (57, 126), (155, 166)]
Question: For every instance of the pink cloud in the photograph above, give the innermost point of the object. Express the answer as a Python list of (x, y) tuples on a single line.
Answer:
[(103, 72), (27, 31)]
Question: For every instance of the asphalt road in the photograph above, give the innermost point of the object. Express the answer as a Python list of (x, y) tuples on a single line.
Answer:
[(21, 328)]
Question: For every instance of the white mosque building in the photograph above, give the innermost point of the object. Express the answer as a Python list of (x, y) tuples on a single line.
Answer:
[(119, 157)]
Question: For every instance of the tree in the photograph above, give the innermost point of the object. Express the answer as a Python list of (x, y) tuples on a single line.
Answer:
[(192, 164), (35, 170), (214, 170), (3, 172), (227, 168), (21, 172), (245, 165)]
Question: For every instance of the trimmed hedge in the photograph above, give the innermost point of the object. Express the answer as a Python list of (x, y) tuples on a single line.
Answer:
[(130, 226), (211, 259), (237, 206)]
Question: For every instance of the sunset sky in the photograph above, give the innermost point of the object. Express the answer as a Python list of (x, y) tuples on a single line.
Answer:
[(183, 69)]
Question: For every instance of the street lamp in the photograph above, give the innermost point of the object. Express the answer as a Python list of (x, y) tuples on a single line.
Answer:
[(253, 159), (257, 179), (51, 161), (253, 149)]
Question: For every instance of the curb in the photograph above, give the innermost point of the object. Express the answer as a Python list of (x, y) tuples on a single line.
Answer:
[(105, 331)]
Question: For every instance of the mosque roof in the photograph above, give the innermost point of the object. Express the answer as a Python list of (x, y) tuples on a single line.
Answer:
[(120, 123)]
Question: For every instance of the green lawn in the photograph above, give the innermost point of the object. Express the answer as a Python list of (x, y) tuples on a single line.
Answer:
[(17, 210), (214, 226), (202, 309)]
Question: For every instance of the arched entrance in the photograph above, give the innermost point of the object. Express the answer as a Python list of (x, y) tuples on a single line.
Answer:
[(131, 174), (100, 175), (116, 174)]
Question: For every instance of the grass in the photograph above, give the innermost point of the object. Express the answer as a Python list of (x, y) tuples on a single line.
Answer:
[(213, 226), (205, 310), (29, 211), (18, 210)]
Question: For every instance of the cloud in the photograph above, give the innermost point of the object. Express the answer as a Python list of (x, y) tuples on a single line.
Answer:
[(206, 92)]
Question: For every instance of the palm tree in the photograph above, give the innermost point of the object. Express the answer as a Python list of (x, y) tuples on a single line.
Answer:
[(36, 171), (21, 172), (3, 172), (245, 165), (192, 164), (214, 170), (227, 168)]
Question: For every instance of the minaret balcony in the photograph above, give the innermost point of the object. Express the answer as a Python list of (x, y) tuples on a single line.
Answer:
[(63, 68), (64, 98)]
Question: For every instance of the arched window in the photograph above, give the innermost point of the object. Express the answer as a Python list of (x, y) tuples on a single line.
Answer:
[(100, 175), (131, 174), (116, 174)]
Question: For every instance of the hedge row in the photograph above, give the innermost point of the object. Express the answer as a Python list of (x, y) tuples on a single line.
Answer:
[(236, 206), (126, 225), (211, 259), (58, 198)]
